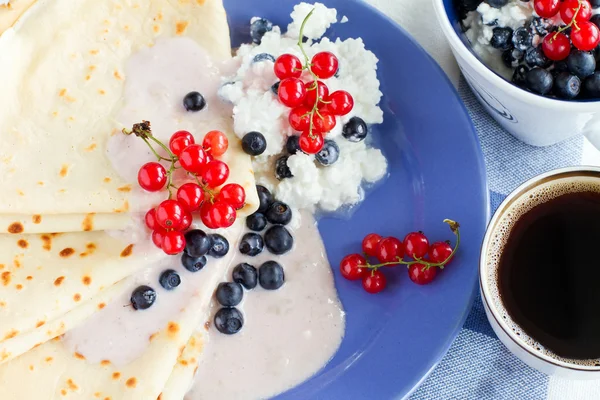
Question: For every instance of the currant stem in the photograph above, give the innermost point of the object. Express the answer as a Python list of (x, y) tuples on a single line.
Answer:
[(454, 226), (573, 22)]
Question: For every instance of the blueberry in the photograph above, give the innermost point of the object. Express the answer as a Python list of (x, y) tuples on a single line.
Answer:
[(502, 38), (596, 53), (197, 243), (193, 264), (355, 130), (220, 246), (254, 143), (278, 239), (143, 297), (229, 320), (596, 19), (581, 63), (293, 144), (522, 38), (560, 66), (468, 5), (282, 170), (169, 279), (279, 213), (566, 86), (252, 244), (258, 28), (591, 86), (535, 57), (329, 153), (519, 75), (539, 80), (595, 4), (246, 275), (265, 198), (540, 26), (194, 101), (256, 222), (512, 57), (263, 57), (271, 275), (275, 88), (497, 3), (229, 294)]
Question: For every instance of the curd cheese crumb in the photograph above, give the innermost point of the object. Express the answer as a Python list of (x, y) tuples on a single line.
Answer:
[(320, 20), (344, 20)]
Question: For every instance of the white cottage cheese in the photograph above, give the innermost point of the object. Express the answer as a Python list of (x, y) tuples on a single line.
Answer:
[(256, 108)]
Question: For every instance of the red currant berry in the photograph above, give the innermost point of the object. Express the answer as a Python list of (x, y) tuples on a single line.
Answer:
[(420, 274), (374, 282), (193, 159), (216, 143), (353, 267), (322, 91), (223, 214), (323, 122), (389, 249), (173, 242), (311, 144), (546, 8), (150, 219), (341, 102), (169, 214), (152, 177), (369, 244), (556, 46), (157, 237), (186, 221), (179, 141), (300, 118), (439, 252), (215, 174), (287, 66), (585, 36), (324, 65), (416, 245), (570, 7), (190, 196), (233, 194), (292, 92), (206, 215)]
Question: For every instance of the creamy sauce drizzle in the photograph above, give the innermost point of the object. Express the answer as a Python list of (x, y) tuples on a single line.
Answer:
[(288, 334)]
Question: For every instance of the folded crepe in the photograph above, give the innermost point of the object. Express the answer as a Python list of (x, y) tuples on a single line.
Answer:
[(64, 68), (56, 369)]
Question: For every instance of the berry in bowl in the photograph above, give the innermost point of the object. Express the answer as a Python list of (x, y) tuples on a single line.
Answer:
[(532, 64)]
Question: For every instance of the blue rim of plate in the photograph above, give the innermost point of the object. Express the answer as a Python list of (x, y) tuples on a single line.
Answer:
[(394, 339)]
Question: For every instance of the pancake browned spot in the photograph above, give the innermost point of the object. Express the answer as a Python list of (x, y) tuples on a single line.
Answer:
[(86, 280), (101, 306), (172, 328), (180, 27), (17, 262), (88, 222), (64, 170), (36, 218), (19, 286), (127, 251), (183, 362), (11, 334), (31, 367), (72, 384), (116, 375), (93, 145), (200, 2), (76, 297), (153, 336), (49, 359), (40, 323), (58, 281), (5, 278), (29, 277), (117, 75), (106, 180), (63, 392), (2, 266), (23, 243), (79, 355), (15, 227), (105, 363), (206, 325), (125, 189), (131, 382), (47, 242), (66, 252)]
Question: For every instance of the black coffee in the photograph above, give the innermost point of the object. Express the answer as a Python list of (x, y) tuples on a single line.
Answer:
[(549, 274)]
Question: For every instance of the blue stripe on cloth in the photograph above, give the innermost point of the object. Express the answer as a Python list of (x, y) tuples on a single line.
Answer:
[(478, 366)]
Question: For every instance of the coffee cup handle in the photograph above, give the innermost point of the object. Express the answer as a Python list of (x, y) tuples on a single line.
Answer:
[(592, 132)]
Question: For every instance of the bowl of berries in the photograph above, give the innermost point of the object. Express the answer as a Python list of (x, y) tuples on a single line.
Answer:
[(533, 64)]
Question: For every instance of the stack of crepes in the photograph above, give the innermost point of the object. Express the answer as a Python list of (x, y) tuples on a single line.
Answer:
[(61, 199)]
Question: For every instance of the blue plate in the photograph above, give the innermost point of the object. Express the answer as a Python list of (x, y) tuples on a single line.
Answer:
[(395, 338)]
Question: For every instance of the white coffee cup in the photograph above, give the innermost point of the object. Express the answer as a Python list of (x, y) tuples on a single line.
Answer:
[(533, 119), (535, 191)]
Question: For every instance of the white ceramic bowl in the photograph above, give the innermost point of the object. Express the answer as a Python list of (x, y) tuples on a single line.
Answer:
[(533, 119)]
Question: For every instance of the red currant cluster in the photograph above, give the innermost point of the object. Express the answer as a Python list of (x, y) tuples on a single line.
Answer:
[(576, 14), (390, 252), (313, 108), (172, 217)]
